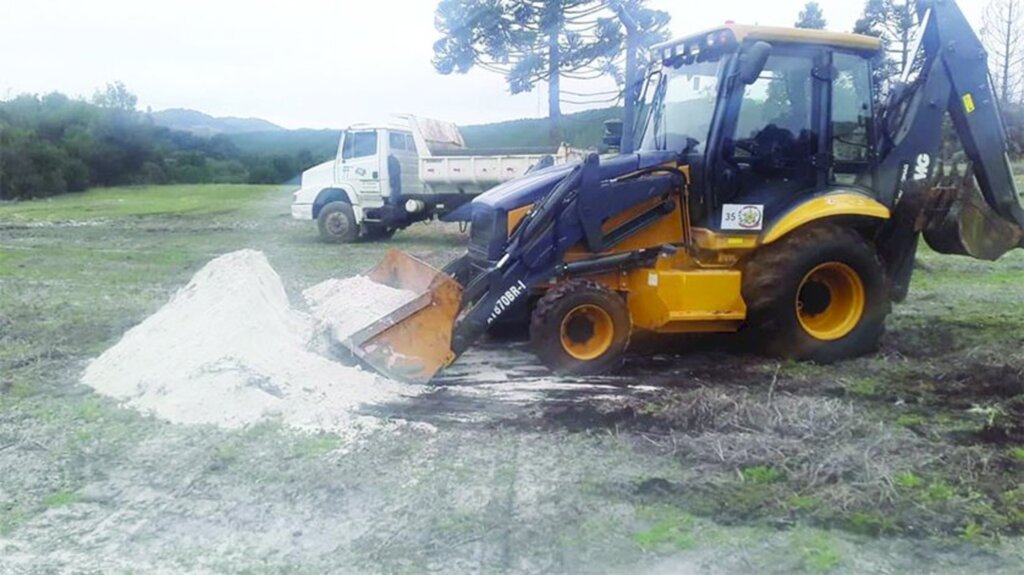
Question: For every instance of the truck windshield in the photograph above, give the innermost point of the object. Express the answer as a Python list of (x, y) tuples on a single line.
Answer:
[(679, 111), (359, 145)]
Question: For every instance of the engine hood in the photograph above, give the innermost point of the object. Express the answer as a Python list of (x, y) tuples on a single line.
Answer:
[(530, 189)]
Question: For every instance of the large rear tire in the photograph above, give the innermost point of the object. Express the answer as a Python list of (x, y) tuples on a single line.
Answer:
[(580, 328), (820, 294), (337, 223)]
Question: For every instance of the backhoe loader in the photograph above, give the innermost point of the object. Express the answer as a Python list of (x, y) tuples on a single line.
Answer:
[(769, 193)]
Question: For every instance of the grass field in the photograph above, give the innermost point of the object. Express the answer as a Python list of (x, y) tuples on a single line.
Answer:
[(908, 461)]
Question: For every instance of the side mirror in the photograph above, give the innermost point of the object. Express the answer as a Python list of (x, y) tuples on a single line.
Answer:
[(613, 131), (753, 59)]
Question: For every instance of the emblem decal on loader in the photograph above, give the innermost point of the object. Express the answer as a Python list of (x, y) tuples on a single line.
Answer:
[(747, 218), (924, 163)]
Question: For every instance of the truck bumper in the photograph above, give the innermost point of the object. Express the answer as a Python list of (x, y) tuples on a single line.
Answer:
[(302, 211)]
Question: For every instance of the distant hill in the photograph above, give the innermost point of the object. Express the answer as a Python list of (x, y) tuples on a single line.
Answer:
[(321, 143), (582, 130), (254, 136), (202, 124)]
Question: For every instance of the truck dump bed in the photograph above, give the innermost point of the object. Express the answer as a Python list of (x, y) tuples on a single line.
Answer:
[(446, 162)]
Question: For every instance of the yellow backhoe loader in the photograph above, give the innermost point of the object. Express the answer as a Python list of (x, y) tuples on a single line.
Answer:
[(770, 192)]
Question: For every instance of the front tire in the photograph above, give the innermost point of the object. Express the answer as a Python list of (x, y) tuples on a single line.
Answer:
[(337, 223), (820, 294), (580, 328)]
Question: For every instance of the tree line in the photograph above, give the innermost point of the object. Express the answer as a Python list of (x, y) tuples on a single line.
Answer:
[(53, 144)]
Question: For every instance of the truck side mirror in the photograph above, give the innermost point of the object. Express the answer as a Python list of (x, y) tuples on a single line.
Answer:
[(753, 59)]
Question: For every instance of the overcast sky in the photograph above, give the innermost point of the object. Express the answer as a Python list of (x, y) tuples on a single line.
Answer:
[(298, 63)]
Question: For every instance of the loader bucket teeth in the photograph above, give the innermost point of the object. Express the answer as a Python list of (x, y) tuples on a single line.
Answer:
[(413, 343)]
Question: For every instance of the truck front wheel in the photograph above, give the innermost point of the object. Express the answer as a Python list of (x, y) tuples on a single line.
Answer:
[(337, 223)]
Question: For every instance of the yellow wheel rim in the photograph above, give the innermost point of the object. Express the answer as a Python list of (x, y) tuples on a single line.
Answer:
[(831, 301), (587, 332)]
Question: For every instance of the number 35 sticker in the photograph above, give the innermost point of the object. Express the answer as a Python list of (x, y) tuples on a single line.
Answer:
[(742, 217)]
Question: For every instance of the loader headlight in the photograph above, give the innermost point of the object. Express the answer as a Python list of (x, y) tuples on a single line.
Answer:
[(486, 234)]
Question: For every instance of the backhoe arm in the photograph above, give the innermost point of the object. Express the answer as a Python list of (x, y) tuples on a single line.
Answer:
[(954, 78)]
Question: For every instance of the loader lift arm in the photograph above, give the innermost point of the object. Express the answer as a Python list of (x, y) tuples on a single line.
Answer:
[(430, 333), (953, 78), (572, 213)]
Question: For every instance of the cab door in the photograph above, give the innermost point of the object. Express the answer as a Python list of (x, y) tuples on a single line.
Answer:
[(361, 166), (772, 152)]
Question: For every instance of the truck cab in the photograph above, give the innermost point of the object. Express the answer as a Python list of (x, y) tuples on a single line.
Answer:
[(363, 184)]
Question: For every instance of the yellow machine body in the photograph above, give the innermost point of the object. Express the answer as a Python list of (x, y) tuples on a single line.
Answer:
[(695, 290), (700, 290)]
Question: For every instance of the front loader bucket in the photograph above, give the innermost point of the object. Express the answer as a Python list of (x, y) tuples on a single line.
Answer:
[(413, 343)]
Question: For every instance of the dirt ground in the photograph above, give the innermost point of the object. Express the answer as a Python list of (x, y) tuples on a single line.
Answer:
[(693, 459)]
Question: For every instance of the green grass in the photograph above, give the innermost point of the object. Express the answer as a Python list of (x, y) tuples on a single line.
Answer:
[(67, 292), (762, 475), (669, 530), (909, 480), (818, 551), (143, 201), (60, 499)]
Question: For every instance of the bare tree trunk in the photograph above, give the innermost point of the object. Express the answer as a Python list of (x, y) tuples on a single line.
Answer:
[(631, 93), (554, 89), (1009, 49), (1003, 36), (905, 32)]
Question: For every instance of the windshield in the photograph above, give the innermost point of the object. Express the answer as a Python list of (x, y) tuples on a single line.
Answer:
[(359, 145), (679, 111)]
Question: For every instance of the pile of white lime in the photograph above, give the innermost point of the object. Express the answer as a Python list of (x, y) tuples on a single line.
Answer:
[(230, 350)]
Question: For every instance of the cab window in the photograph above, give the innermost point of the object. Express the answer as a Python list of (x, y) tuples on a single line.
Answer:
[(851, 118), (397, 141), (775, 129), (402, 141)]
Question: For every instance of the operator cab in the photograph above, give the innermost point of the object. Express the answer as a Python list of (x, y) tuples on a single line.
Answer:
[(765, 118)]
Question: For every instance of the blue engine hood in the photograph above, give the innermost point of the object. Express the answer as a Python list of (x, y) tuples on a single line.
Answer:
[(530, 189)]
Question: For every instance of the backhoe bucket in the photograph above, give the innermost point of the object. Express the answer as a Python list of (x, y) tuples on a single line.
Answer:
[(960, 222), (413, 343)]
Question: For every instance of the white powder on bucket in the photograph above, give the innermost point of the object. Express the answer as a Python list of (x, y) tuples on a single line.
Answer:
[(229, 350), (347, 306)]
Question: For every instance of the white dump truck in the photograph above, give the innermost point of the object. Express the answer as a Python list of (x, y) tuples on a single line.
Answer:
[(387, 177)]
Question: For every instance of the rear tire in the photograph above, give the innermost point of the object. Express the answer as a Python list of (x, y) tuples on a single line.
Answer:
[(337, 223), (820, 294), (580, 328)]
